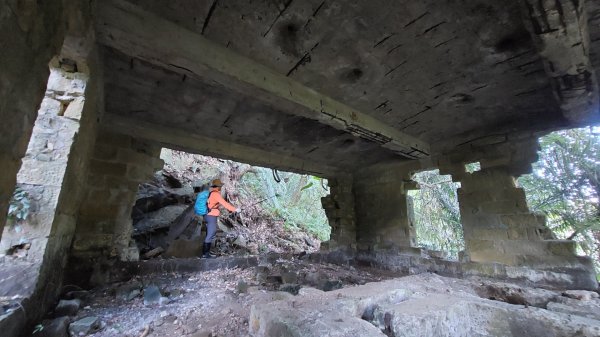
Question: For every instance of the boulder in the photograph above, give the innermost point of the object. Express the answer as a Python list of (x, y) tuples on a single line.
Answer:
[(411, 306), (85, 326), (582, 295), (128, 291), (67, 308), (58, 327), (290, 288), (289, 277), (152, 295), (162, 218)]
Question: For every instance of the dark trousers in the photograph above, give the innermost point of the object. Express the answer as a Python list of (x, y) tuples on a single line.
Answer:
[(211, 228)]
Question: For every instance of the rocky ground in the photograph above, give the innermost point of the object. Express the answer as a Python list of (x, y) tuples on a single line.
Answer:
[(302, 299), (215, 303)]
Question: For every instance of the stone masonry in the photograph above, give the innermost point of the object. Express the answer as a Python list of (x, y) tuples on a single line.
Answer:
[(382, 213), (119, 164), (363, 93), (45, 163), (340, 210)]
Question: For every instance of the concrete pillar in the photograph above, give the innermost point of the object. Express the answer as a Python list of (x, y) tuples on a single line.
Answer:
[(119, 164), (54, 172), (498, 226), (382, 213), (503, 238), (31, 33), (339, 208), (48, 160)]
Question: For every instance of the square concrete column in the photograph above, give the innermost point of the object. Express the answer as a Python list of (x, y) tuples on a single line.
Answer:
[(119, 164), (382, 213), (339, 208)]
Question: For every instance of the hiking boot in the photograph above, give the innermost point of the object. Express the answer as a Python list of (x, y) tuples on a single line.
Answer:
[(206, 252)]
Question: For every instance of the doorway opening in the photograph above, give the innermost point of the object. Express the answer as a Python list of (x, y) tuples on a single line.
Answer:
[(280, 211)]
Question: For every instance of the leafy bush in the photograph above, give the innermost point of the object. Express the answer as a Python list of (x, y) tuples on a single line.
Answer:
[(19, 206)]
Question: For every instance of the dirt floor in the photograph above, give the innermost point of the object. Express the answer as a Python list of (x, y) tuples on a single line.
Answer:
[(215, 303)]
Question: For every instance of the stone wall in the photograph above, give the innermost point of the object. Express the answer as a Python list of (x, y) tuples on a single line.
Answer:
[(44, 167), (382, 213), (339, 208), (31, 33), (54, 170), (502, 236), (119, 164)]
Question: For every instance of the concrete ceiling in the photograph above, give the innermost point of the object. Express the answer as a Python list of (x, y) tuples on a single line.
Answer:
[(141, 91), (443, 72)]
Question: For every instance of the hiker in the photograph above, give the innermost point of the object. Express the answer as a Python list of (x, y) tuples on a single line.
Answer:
[(207, 205)]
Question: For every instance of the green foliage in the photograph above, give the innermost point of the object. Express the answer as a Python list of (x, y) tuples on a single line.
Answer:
[(472, 167), (19, 206), (565, 186), (298, 200), (436, 213), (38, 328)]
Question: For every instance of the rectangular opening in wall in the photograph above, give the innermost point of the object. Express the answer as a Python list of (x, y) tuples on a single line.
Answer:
[(279, 211), (564, 185), (436, 215), (473, 167)]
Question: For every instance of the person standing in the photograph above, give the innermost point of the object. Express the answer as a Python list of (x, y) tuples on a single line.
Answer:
[(215, 200)]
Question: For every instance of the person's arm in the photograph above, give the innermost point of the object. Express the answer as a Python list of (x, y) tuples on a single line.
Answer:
[(225, 204)]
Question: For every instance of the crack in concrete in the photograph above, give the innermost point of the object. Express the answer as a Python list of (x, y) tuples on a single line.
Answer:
[(432, 28), (314, 14), (383, 40), (396, 67), (416, 19), (287, 4), (396, 47), (306, 58), (211, 10)]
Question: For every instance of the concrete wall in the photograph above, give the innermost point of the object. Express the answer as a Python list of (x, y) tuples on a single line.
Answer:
[(119, 164)]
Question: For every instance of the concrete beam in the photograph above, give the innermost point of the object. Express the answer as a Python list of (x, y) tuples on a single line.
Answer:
[(143, 35), (560, 32), (182, 140)]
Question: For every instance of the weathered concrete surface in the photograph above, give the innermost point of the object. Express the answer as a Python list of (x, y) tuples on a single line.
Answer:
[(423, 305), (400, 63), (382, 213), (54, 171), (119, 26), (340, 208), (560, 32), (34, 33), (45, 163), (119, 163)]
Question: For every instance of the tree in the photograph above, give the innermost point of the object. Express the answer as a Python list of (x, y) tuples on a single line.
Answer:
[(436, 213), (565, 186)]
